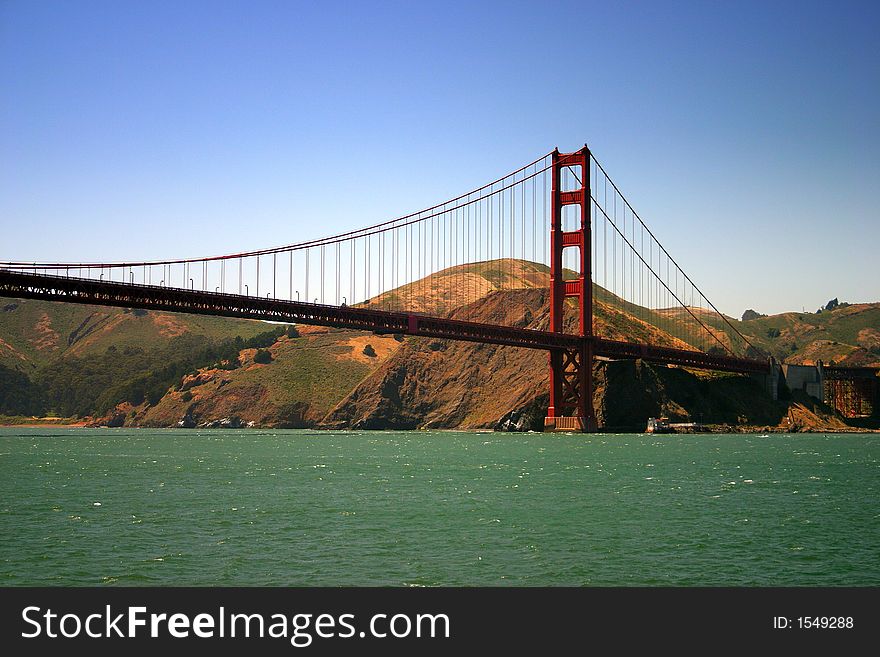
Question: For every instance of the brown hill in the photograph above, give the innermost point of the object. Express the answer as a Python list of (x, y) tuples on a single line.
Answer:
[(455, 287), (334, 378), (306, 377), (447, 384)]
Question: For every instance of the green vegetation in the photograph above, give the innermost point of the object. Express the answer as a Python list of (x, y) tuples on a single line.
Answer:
[(152, 385), (263, 357), (39, 332), (369, 351), (18, 396), (841, 332), (313, 372), (96, 383), (76, 361), (263, 340), (83, 360)]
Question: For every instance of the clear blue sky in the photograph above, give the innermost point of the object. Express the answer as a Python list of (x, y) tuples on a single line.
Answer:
[(747, 134)]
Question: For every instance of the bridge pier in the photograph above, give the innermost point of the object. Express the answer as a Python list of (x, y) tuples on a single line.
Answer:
[(770, 380), (571, 391)]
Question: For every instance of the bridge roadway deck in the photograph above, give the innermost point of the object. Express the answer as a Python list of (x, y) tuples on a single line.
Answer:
[(151, 297)]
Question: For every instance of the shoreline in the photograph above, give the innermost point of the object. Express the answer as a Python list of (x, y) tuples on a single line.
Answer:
[(717, 430)]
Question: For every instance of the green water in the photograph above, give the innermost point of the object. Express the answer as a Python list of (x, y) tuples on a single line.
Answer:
[(166, 507)]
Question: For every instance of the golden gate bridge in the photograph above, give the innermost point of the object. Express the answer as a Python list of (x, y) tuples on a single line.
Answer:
[(559, 224)]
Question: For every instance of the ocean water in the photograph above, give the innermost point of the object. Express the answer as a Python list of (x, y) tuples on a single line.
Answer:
[(309, 508)]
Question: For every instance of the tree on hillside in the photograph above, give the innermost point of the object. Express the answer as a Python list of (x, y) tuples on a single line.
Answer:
[(831, 305), (18, 396), (265, 339), (262, 356), (369, 351)]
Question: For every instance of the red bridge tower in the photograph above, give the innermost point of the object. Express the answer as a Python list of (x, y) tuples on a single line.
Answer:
[(571, 370)]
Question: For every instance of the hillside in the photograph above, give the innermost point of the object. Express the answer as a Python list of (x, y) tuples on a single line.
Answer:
[(455, 287), (847, 335), (36, 333), (74, 360), (305, 378), (160, 369), (444, 384)]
